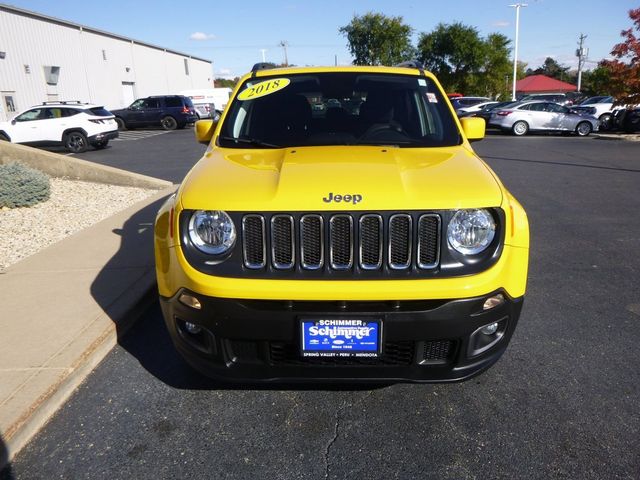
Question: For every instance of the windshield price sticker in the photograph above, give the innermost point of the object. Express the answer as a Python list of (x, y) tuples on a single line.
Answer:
[(264, 88), (341, 338)]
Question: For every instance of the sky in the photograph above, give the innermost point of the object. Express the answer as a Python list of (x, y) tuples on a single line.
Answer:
[(235, 35)]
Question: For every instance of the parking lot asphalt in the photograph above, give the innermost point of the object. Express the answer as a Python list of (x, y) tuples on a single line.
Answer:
[(563, 402), (158, 153)]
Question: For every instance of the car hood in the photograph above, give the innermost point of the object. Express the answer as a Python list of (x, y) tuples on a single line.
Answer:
[(340, 178)]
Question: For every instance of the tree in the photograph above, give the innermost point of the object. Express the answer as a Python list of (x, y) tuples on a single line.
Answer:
[(464, 61), (596, 81), (455, 53), (551, 68), (624, 69), (375, 39), (226, 82), (496, 68)]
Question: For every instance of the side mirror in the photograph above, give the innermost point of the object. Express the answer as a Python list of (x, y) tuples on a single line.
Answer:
[(473, 128), (204, 130), (13, 122)]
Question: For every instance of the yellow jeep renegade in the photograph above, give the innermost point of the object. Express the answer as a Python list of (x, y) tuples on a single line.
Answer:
[(341, 227)]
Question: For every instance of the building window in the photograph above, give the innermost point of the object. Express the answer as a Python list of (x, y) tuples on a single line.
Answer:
[(9, 103), (186, 66), (27, 69), (104, 55), (51, 75)]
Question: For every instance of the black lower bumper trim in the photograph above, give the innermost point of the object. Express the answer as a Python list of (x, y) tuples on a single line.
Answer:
[(259, 340)]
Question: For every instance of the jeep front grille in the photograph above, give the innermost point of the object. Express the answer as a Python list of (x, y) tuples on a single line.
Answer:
[(341, 241)]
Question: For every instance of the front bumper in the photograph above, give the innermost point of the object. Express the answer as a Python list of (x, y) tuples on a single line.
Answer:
[(259, 340)]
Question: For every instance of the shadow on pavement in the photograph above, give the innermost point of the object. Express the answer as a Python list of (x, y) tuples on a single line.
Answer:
[(148, 340), (6, 473)]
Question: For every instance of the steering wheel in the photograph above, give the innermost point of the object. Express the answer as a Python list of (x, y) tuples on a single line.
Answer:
[(394, 128)]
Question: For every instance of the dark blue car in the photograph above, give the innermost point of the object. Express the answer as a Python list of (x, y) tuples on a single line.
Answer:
[(167, 111)]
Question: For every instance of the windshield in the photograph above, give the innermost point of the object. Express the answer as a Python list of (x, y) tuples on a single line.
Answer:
[(343, 108)]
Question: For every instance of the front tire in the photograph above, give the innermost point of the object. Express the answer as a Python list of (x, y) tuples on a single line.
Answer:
[(583, 129), (76, 142), (121, 125), (169, 123), (520, 128), (605, 121), (3, 138)]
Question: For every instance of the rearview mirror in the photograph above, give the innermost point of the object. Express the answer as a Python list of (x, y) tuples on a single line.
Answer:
[(473, 128), (204, 130)]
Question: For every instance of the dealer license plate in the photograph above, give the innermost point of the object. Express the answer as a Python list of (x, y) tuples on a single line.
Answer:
[(341, 337)]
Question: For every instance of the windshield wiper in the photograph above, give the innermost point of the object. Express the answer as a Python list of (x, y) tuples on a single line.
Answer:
[(250, 141)]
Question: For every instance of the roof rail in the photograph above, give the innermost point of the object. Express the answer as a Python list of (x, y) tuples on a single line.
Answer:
[(410, 64), (262, 66), (64, 102)]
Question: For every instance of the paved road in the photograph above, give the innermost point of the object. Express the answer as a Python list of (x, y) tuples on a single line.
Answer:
[(162, 154), (563, 402)]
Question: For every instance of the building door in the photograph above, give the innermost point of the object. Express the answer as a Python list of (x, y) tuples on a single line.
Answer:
[(128, 93), (8, 107)]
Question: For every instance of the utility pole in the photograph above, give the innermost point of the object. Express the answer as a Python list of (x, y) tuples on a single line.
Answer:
[(582, 54), (284, 45), (517, 6), (263, 50)]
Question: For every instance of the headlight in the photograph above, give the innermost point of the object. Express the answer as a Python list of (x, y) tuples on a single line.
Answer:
[(212, 231), (471, 231)]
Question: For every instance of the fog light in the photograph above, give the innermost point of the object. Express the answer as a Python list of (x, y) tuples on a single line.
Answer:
[(493, 302), (192, 328), (488, 329), (190, 301)]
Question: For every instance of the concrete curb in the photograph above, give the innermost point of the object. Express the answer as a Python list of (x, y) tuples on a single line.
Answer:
[(629, 137), (57, 165), (131, 306), (111, 270)]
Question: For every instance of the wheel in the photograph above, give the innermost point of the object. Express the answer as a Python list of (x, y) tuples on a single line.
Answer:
[(583, 129), (605, 121), (121, 124), (3, 138), (169, 123), (100, 145), (76, 142), (520, 128)]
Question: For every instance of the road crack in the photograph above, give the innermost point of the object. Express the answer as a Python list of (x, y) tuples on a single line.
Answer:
[(336, 430)]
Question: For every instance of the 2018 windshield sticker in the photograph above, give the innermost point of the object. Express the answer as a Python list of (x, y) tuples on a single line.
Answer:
[(264, 88)]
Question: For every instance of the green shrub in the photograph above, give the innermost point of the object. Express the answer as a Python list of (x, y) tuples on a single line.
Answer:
[(21, 186)]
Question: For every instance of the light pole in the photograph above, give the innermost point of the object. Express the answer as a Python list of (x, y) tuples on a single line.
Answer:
[(517, 6)]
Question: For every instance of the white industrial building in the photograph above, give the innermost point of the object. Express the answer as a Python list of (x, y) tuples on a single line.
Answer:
[(49, 59)]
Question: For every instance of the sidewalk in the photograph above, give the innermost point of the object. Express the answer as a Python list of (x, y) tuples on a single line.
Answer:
[(632, 137), (63, 309)]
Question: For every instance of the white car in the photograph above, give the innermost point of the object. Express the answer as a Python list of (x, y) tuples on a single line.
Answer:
[(72, 124), (603, 109), (475, 108), (520, 118)]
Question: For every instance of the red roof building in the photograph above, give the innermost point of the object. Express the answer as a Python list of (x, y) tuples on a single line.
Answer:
[(543, 84)]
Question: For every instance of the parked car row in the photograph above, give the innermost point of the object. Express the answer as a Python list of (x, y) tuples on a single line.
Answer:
[(541, 112), (77, 126), (520, 118)]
